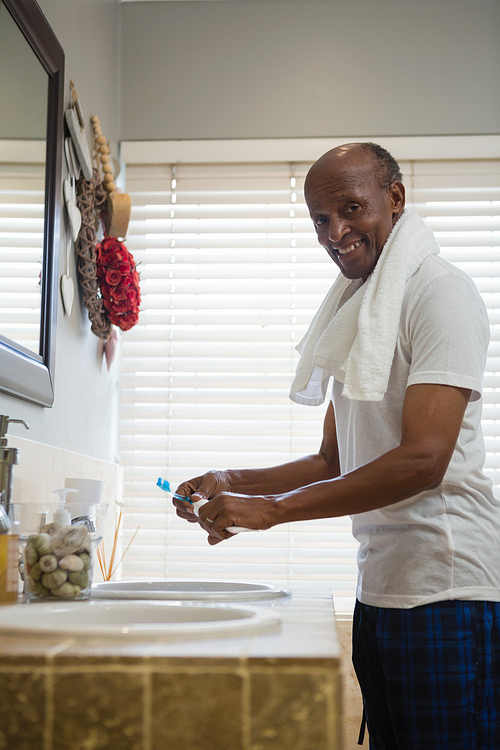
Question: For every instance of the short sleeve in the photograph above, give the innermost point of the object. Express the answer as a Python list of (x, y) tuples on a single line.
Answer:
[(448, 329)]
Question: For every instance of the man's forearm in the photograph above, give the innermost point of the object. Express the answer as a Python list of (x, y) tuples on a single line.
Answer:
[(281, 479), (395, 476)]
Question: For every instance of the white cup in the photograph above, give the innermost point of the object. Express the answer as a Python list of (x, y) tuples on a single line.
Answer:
[(82, 503)]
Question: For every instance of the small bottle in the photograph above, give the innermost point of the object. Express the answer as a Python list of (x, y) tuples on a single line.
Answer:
[(9, 559), (62, 516)]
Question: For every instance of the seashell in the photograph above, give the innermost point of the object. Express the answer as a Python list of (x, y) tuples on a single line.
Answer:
[(47, 563), (51, 528), (69, 540), (79, 577), (66, 590), (41, 543), (71, 562), (87, 561), (38, 588), (54, 579), (30, 554), (36, 572)]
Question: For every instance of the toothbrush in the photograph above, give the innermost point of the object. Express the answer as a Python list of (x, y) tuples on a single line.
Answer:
[(164, 485)]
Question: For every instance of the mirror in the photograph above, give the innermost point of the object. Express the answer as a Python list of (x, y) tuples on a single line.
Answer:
[(31, 122)]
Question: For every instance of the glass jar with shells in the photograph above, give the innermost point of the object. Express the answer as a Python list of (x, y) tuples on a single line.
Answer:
[(56, 560)]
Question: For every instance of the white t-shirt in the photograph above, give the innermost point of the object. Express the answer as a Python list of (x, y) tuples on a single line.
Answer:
[(444, 543)]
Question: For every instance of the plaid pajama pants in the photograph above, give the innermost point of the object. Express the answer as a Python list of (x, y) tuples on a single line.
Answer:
[(430, 676)]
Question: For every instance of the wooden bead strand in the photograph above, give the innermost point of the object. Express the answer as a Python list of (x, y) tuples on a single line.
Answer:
[(102, 151), (117, 215)]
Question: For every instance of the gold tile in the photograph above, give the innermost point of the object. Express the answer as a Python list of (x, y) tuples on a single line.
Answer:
[(197, 711), (162, 661), (291, 710), (22, 711), (106, 655), (99, 709)]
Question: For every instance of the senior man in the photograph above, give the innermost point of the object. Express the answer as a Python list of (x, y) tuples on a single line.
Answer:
[(404, 335)]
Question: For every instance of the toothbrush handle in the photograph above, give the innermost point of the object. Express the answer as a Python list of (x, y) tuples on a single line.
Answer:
[(232, 529), (197, 505), (238, 529)]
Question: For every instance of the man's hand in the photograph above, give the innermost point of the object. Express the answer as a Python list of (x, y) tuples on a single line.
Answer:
[(232, 509), (206, 487)]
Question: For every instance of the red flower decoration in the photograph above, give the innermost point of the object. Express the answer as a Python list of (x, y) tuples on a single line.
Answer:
[(118, 282), (113, 276), (129, 320)]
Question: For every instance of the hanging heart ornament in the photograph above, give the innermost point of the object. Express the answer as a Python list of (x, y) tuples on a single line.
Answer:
[(67, 285), (69, 189), (110, 348), (67, 293), (74, 215)]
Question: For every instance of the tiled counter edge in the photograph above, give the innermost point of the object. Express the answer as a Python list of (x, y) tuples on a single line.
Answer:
[(270, 692)]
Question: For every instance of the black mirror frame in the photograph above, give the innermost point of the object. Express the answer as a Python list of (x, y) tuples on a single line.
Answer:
[(23, 373)]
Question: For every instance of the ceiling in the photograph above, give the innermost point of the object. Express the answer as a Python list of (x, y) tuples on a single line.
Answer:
[(176, 1)]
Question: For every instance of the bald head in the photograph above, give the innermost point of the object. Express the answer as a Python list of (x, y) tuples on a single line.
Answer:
[(382, 165)]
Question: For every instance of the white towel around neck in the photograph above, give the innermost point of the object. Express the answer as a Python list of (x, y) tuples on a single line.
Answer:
[(353, 335)]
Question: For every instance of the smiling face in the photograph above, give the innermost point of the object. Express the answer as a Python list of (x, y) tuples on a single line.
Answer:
[(352, 214)]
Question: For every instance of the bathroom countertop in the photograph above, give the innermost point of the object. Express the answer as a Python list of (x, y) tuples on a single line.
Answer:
[(308, 631), (279, 690)]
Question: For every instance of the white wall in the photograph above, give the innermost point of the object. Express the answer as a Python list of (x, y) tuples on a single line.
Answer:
[(309, 68), (266, 68), (84, 417)]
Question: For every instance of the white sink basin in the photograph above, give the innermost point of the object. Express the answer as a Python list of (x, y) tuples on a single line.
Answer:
[(222, 591), (139, 620)]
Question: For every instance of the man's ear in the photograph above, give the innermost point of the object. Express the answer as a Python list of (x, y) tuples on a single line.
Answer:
[(397, 195)]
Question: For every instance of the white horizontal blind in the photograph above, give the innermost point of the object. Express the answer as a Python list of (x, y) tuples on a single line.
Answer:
[(21, 251), (231, 275)]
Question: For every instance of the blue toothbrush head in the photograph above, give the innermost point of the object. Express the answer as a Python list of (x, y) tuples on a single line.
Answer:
[(165, 486)]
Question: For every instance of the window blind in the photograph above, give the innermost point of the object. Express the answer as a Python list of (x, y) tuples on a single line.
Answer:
[(231, 276), (21, 251)]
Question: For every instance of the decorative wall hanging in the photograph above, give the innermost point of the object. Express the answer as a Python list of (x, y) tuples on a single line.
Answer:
[(107, 272), (74, 221), (91, 200), (66, 282), (75, 123), (119, 283), (69, 189), (116, 216), (110, 348)]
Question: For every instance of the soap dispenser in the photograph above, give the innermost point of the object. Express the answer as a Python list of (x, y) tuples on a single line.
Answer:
[(8, 457), (62, 516)]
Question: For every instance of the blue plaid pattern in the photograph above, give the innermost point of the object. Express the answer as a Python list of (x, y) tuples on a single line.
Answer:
[(430, 676)]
